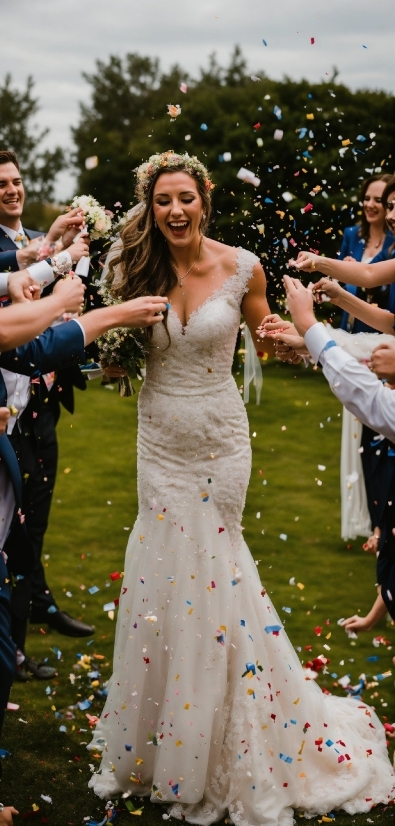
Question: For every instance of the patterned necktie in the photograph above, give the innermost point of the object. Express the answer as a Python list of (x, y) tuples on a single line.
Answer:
[(21, 239)]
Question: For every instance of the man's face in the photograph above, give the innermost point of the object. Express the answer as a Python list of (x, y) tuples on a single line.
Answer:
[(12, 194)]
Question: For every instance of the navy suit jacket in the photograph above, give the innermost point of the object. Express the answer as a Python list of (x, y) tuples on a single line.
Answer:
[(354, 245), (58, 347), (8, 250)]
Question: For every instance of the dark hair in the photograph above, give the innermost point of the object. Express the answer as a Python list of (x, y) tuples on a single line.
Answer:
[(7, 156), (364, 229), (144, 266), (387, 192)]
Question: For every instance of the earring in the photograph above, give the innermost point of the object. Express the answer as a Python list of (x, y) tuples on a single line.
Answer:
[(204, 216), (155, 224)]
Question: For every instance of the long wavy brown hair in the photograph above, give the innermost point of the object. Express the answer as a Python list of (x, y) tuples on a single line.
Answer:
[(364, 226), (143, 264)]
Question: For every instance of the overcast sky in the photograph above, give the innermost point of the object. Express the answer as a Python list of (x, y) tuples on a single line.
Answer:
[(57, 40)]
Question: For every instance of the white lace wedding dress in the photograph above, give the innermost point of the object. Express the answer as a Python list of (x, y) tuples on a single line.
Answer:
[(208, 707)]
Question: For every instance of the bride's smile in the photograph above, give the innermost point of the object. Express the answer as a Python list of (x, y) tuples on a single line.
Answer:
[(178, 209)]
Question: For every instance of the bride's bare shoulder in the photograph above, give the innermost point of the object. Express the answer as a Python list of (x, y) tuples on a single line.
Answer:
[(223, 252)]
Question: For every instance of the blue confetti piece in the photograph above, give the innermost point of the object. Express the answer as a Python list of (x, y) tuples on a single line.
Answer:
[(83, 705), (302, 132), (364, 47), (4, 753), (277, 112), (273, 629), (250, 667), (109, 606), (188, 601), (329, 743), (361, 138), (293, 722), (93, 589), (175, 788), (52, 609), (128, 748), (264, 42), (243, 623), (269, 201), (285, 758), (63, 729), (204, 127), (221, 158), (205, 498), (287, 610)]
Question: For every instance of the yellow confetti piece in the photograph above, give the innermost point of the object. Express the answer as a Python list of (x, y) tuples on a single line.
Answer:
[(310, 116), (297, 701), (187, 706), (35, 807), (250, 690), (160, 516), (13, 410), (177, 677), (190, 611), (327, 231), (300, 586), (327, 819), (123, 704), (53, 708), (178, 742), (67, 470), (139, 761), (141, 537), (280, 213), (328, 636), (346, 142), (302, 774), (302, 747), (249, 675), (192, 576)]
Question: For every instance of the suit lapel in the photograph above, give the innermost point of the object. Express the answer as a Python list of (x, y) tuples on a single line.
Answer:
[(6, 244), (7, 454)]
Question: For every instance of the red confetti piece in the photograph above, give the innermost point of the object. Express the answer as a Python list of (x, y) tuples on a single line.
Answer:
[(307, 208), (115, 576), (257, 125), (312, 40), (220, 530)]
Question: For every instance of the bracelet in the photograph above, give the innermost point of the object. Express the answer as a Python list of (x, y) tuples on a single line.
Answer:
[(61, 263)]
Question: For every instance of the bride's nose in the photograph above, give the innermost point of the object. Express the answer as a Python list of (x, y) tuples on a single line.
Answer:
[(176, 208)]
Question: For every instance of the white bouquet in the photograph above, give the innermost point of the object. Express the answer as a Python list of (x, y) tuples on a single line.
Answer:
[(98, 220)]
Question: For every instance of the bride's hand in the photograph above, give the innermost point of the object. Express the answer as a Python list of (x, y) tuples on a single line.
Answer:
[(113, 371), (142, 312)]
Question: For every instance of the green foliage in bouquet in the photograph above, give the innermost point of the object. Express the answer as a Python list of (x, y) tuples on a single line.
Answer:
[(122, 347)]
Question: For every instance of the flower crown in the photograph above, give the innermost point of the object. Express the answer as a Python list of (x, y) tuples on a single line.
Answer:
[(170, 160)]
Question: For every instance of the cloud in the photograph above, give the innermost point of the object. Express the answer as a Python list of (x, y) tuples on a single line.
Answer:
[(58, 42)]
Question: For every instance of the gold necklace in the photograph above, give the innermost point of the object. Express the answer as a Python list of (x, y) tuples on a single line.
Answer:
[(182, 277)]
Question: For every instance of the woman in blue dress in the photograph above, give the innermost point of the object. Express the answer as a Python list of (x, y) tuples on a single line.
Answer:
[(369, 241)]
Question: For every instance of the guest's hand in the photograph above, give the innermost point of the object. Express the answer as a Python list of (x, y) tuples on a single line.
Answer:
[(141, 312), (22, 287), (70, 293), (357, 623), (79, 249), (29, 254), (329, 288), (273, 323), (66, 227), (371, 545), (6, 816), (306, 261), (382, 362), (4, 416), (300, 304)]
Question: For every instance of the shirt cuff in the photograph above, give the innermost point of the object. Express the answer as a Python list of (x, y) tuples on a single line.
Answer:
[(42, 273), (4, 283), (316, 339), (81, 328)]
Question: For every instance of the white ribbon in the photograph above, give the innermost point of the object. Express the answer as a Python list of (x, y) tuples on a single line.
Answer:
[(252, 368)]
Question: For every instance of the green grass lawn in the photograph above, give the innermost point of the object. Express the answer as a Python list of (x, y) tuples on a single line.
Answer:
[(296, 428)]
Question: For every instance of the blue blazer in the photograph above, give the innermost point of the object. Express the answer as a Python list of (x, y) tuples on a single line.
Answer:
[(8, 250), (58, 347), (354, 245)]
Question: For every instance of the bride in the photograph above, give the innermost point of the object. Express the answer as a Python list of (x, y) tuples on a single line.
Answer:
[(208, 708)]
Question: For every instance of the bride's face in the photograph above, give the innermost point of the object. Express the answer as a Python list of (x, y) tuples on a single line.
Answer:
[(177, 208)]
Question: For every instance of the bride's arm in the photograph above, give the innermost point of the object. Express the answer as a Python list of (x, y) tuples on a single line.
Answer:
[(381, 320), (351, 272), (255, 307)]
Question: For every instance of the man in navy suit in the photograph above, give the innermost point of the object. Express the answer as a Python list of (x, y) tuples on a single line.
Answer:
[(34, 434)]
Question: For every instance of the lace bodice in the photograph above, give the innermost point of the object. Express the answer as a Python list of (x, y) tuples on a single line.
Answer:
[(200, 355)]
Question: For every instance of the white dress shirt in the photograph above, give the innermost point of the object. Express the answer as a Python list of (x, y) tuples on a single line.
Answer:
[(353, 383), (41, 272)]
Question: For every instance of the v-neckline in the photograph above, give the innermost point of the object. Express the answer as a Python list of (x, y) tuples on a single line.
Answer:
[(207, 300)]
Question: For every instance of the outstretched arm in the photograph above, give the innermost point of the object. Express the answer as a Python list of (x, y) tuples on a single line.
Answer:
[(374, 316), (351, 272), (255, 307), (376, 613)]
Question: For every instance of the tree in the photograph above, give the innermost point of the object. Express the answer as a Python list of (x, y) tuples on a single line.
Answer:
[(39, 168), (332, 138)]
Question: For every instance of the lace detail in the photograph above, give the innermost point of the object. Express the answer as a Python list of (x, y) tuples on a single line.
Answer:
[(208, 707)]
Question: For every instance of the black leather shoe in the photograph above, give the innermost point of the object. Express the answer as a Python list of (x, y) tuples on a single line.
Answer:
[(63, 623), (38, 670)]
